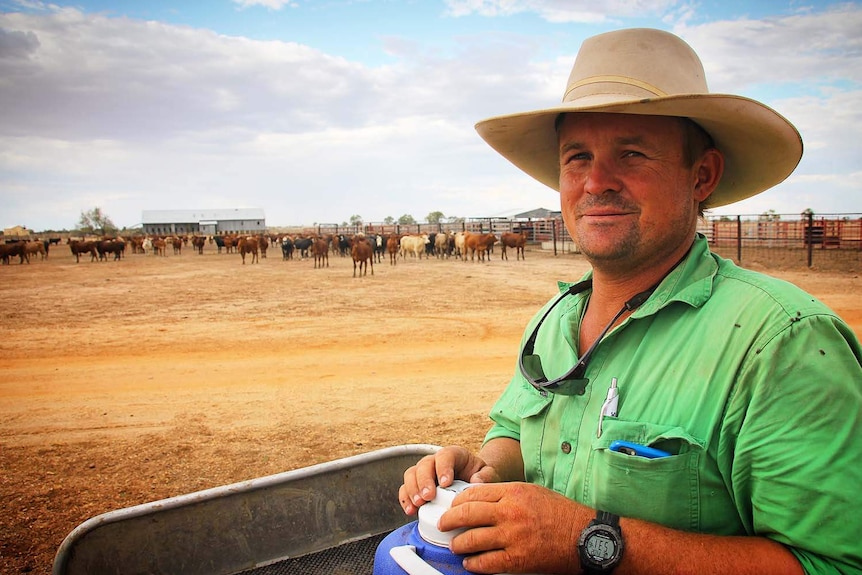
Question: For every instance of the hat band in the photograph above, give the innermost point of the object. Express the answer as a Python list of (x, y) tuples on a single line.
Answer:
[(615, 80)]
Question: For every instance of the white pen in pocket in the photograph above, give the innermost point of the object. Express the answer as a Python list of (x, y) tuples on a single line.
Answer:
[(609, 407)]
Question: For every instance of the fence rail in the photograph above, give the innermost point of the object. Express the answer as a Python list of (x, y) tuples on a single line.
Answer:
[(829, 242), (822, 241)]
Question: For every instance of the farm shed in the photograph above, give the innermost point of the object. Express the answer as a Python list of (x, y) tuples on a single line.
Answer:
[(205, 222)]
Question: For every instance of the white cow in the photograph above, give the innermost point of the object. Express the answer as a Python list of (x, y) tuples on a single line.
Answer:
[(441, 244), (460, 250), (414, 244)]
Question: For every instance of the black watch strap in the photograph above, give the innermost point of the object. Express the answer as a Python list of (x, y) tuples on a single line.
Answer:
[(608, 518)]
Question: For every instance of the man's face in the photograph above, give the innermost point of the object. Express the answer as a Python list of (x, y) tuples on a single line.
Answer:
[(627, 197)]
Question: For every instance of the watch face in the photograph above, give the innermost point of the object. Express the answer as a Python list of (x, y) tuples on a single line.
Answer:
[(600, 547)]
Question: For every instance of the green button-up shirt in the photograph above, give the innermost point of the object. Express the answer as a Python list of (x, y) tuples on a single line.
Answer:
[(752, 385)]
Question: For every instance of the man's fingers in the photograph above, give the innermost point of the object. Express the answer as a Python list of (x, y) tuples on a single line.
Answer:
[(421, 480), (481, 492), (426, 479), (493, 561), (441, 468), (486, 474), (406, 503), (469, 514)]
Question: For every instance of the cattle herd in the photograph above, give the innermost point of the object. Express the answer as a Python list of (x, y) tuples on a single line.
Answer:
[(363, 248)]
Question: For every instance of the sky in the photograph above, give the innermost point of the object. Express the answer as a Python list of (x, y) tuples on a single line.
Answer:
[(317, 111)]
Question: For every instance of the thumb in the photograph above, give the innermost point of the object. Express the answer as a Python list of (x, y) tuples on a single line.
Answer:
[(484, 475)]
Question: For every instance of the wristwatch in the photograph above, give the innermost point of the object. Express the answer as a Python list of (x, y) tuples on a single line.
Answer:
[(601, 545)]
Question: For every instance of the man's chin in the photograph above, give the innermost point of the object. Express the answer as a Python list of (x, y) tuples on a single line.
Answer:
[(605, 245), (609, 255)]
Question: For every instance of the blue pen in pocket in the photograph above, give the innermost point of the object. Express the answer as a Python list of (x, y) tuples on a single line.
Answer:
[(636, 449)]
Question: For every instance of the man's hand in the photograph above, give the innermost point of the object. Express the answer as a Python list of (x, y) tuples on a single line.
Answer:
[(441, 468), (516, 528)]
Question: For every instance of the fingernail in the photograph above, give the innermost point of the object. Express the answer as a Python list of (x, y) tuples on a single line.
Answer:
[(444, 480), (417, 499), (426, 493)]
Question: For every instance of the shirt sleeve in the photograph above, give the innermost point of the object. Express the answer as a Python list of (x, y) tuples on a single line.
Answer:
[(791, 444), (504, 414)]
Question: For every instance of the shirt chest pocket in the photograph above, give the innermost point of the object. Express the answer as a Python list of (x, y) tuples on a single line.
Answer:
[(664, 490)]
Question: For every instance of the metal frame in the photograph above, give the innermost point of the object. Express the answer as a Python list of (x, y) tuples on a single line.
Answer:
[(237, 527)]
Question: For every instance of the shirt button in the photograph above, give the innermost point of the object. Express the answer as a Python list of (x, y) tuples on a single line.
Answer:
[(566, 447)]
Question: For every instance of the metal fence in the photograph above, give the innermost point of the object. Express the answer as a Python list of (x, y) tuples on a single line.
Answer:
[(829, 242), (819, 241)]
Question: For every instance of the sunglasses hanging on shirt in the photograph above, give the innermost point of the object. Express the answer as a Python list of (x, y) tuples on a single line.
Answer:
[(573, 381)]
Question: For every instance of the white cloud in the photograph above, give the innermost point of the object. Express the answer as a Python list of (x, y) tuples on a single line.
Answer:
[(130, 115), (810, 49), (271, 4), (562, 11)]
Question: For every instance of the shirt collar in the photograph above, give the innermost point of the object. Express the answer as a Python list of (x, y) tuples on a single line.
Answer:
[(690, 282)]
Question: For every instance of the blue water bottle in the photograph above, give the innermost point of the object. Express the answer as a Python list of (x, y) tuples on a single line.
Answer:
[(419, 548)]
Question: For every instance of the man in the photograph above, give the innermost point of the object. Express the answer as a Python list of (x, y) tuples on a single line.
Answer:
[(749, 389)]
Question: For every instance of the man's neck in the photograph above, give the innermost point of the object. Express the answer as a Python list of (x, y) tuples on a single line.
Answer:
[(612, 288)]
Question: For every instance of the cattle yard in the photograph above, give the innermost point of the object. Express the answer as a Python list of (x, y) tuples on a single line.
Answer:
[(132, 380)]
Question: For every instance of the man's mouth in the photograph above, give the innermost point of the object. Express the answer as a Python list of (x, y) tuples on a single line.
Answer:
[(605, 213)]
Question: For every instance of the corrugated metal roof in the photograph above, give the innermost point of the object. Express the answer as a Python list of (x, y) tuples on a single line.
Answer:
[(195, 216), (538, 213)]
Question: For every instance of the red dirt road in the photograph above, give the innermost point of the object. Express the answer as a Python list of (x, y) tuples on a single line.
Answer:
[(131, 381)]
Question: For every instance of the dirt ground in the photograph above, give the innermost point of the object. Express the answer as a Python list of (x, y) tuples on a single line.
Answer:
[(130, 381)]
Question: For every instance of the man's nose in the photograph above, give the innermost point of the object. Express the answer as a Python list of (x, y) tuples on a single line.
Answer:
[(602, 176)]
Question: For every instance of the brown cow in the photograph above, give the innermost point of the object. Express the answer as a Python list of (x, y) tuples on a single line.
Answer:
[(480, 243), (262, 243), (159, 246), (393, 245), (198, 242), (249, 245), (362, 253), (513, 240), (230, 243), (79, 247), (111, 246), (36, 247), (320, 251), (137, 243), (11, 250)]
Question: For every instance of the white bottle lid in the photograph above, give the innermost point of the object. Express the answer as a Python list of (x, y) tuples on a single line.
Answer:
[(430, 513)]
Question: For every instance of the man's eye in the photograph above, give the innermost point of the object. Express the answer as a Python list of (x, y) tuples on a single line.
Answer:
[(578, 157)]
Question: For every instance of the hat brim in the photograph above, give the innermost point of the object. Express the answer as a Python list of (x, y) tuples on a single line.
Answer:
[(761, 148)]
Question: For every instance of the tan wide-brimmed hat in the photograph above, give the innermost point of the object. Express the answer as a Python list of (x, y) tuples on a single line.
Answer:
[(655, 73)]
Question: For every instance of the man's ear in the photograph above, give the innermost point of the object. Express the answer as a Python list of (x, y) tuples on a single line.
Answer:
[(708, 173)]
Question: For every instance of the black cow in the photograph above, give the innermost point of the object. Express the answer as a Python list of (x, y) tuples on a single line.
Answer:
[(303, 245), (429, 247), (343, 244), (378, 245), (116, 247), (286, 248)]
